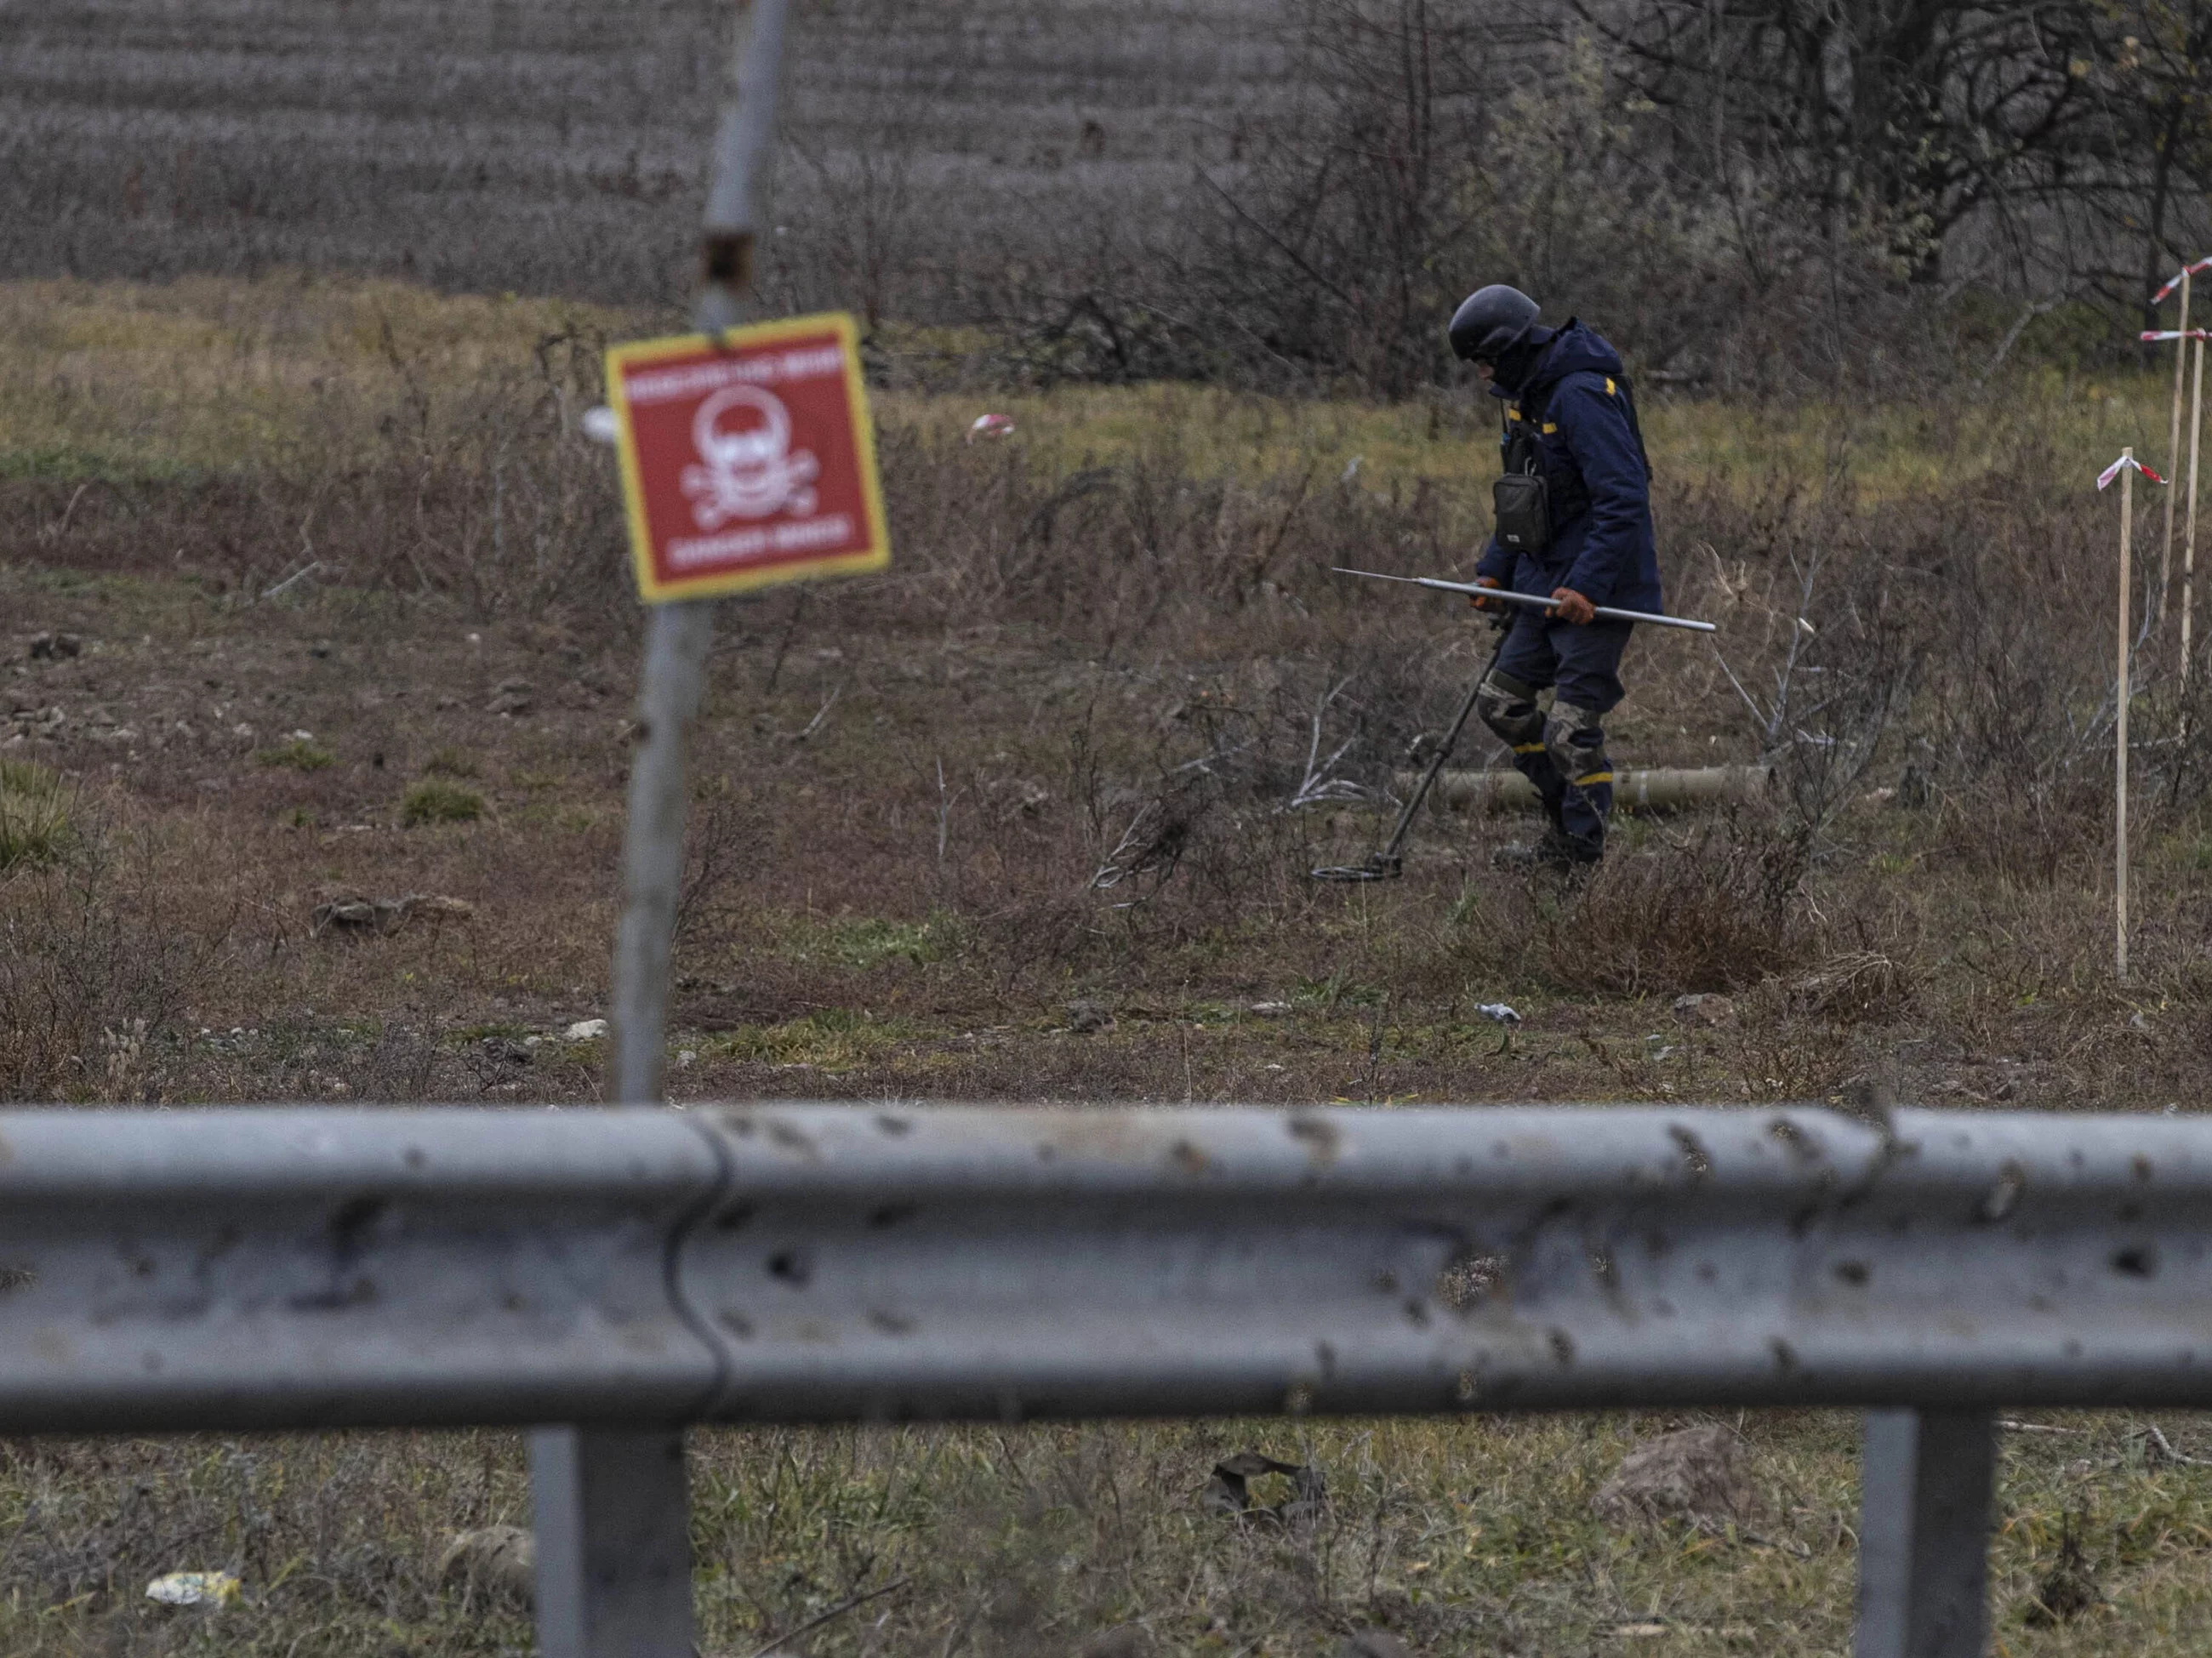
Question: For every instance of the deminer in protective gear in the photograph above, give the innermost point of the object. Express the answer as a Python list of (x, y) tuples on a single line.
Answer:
[(1574, 511)]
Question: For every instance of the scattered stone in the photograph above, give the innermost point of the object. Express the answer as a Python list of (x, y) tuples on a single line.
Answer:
[(356, 914), (512, 696), (586, 1030), (1129, 1640), (500, 1560), (1271, 1010), (54, 647), (1696, 1474), (1085, 1018), (1228, 1491), (1708, 1010), (1374, 1644)]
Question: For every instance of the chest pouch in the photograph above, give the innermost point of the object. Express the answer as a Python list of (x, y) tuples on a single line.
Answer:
[(1522, 499)]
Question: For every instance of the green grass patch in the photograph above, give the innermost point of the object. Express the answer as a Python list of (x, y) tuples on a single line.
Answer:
[(35, 825), (299, 754), (450, 762), (834, 1039), (858, 942), (439, 800)]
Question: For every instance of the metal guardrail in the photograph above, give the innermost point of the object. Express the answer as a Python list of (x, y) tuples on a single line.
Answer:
[(627, 1271)]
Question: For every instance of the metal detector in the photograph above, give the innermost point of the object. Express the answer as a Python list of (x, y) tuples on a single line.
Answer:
[(1389, 864)]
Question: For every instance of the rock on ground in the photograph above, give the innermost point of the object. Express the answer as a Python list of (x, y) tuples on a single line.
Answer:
[(1698, 1474), (500, 1560)]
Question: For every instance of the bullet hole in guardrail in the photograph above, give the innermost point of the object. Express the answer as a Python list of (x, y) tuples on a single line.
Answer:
[(2136, 1261), (414, 1156), (1190, 1158), (735, 1322), (737, 1215), (2071, 1347), (1801, 1222), (1785, 1357), (1556, 1208), (1387, 1282), (1602, 1269), (2141, 1167), (1693, 1153), (1707, 1273), (142, 1267), (890, 1214), (891, 1324), (1784, 1132), (1417, 1312), (511, 1300), (1469, 1279), (2004, 1196), (739, 1124), (1853, 1272), (1563, 1347), (792, 1267), (1047, 1150), (1298, 1400), (1463, 1390), (1325, 1355), (887, 1124), (1322, 1137), (791, 1139), (353, 1216), (17, 1278)]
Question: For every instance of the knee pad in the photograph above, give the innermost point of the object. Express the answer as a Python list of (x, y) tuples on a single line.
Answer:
[(1508, 707), (1573, 738)]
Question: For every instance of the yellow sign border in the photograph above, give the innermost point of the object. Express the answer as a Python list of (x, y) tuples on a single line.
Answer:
[(876, 556)]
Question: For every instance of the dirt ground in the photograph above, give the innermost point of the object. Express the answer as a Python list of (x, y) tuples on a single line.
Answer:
[(1016, 823)]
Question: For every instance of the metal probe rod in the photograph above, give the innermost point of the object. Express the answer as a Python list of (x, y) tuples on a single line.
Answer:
[(1608, 612)]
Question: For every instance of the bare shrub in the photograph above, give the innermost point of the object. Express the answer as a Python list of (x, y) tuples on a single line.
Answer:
[(96, 959), (1720, 909)]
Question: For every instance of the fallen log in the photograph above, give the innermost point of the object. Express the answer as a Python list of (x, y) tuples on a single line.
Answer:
[(1662, 789)]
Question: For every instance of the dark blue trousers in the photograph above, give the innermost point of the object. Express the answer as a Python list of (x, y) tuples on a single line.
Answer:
[(1562, 753)]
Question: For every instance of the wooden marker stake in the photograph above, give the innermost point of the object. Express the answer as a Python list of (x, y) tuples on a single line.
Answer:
[(2173, 457), (2189, 534), (2120, 738)]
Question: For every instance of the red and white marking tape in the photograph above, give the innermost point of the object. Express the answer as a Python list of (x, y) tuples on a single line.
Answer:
[(2153, 335), (2120, 466), (2174, 281)]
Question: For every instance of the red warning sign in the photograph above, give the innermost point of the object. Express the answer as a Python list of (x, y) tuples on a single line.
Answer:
[(747, 460)]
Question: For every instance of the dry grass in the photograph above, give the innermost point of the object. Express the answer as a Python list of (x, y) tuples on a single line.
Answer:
[(1049, 760), (1463, 1537)]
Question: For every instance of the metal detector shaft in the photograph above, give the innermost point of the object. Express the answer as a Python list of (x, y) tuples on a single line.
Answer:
[(1534, 601), (1405, 822)]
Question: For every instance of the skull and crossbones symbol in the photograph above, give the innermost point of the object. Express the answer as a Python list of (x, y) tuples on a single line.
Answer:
[(749, 471)]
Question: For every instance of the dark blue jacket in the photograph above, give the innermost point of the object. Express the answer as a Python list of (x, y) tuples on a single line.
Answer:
[(1574, 405)]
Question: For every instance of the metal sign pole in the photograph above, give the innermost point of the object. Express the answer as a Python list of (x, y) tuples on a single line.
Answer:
[(614, 1565)]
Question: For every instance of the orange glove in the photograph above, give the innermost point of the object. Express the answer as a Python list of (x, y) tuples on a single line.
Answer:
[(1496, 607), (1573, 607)]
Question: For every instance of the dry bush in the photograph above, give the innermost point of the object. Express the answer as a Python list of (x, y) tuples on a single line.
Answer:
[(97, 957), (1721, 908)]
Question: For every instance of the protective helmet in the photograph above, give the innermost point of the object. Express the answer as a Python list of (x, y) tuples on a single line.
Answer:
[(1490, 322)]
